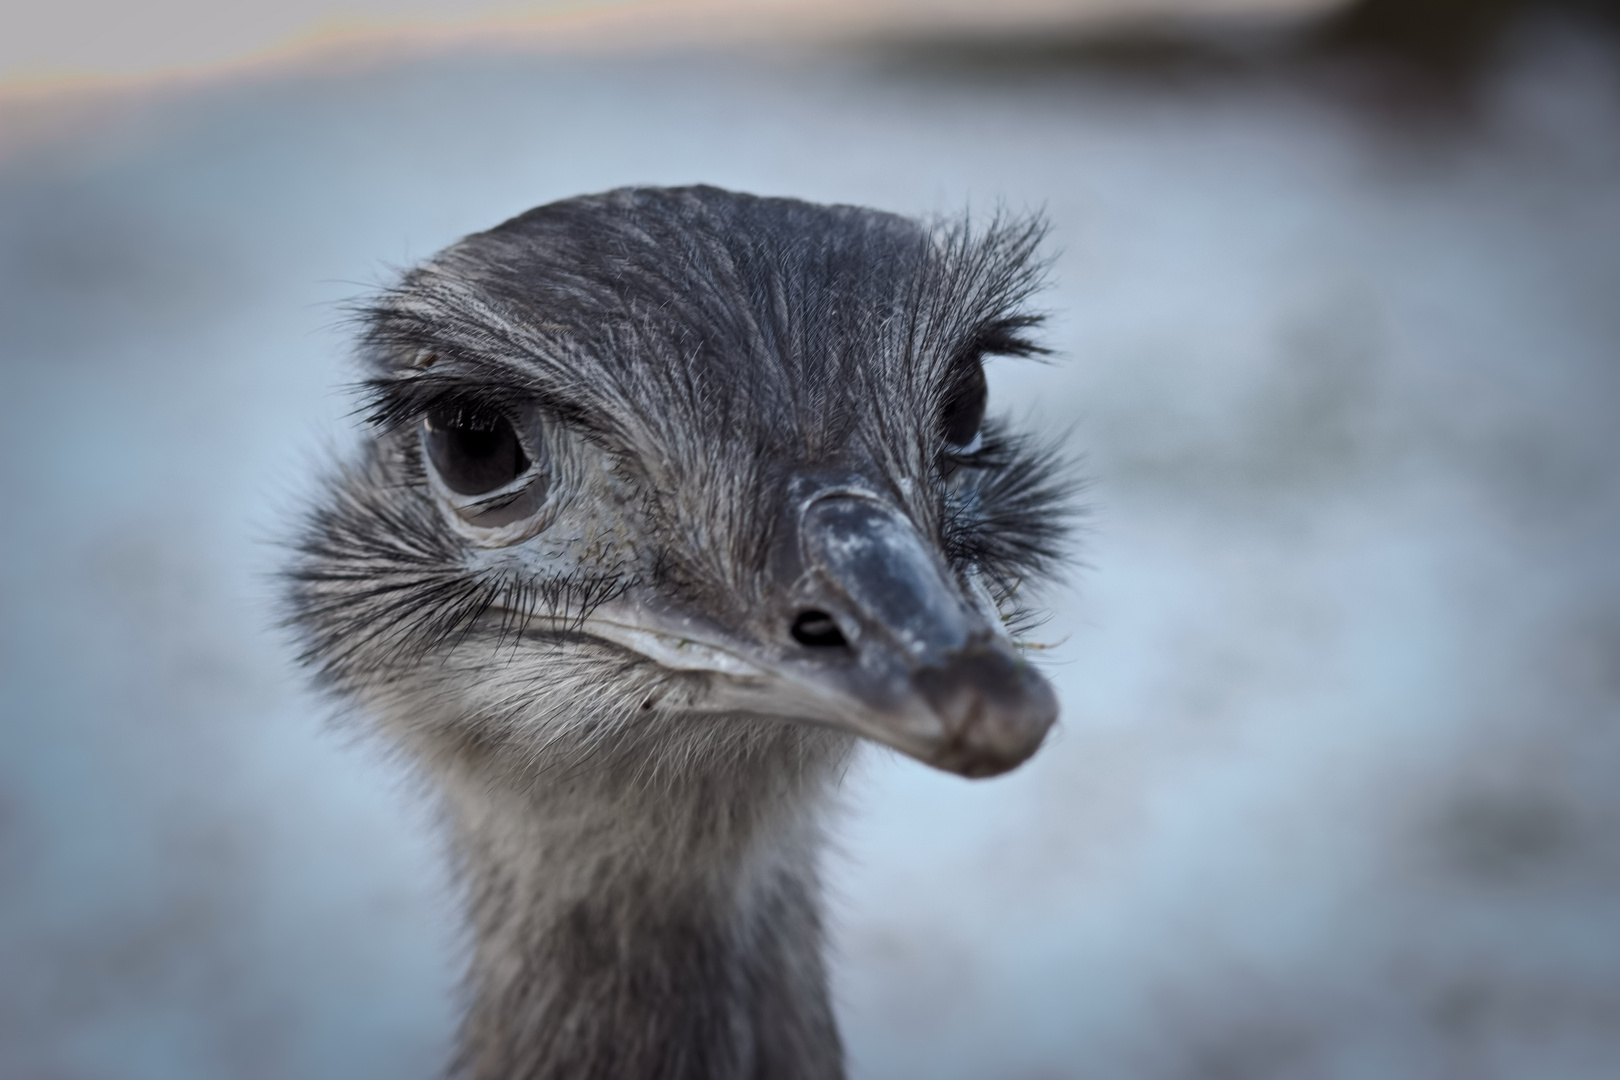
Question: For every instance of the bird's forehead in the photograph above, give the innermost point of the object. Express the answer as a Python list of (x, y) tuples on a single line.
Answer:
[(747, 292)]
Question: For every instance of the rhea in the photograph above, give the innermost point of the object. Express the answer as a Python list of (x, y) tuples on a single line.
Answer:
[(667, 498)]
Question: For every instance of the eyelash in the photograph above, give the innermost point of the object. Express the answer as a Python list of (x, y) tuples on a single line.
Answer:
[(404, 402)]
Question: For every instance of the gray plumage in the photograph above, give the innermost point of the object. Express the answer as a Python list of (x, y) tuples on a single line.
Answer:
[(668, 495)]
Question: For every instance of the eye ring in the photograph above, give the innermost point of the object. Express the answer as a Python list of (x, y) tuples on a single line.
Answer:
[(516, 507)]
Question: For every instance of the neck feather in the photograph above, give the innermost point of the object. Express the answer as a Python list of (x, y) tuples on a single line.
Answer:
[(628, 927)]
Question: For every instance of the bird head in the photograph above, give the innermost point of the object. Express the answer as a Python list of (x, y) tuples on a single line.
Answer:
[(644, 461)]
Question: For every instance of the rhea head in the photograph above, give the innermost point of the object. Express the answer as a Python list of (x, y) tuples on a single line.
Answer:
[(665, 476)]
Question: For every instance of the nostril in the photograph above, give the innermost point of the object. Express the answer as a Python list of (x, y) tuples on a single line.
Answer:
[(818, 630)]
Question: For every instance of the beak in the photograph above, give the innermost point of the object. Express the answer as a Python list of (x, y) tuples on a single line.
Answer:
[(873, 634), (923, 668)]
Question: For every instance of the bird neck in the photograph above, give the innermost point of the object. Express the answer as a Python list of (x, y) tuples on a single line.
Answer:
[(629, 928)]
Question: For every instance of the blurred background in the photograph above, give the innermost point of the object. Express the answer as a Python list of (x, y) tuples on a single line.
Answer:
[(1336, 303)]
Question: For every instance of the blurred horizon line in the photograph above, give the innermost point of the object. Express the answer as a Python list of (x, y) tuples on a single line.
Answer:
[(333, 37)]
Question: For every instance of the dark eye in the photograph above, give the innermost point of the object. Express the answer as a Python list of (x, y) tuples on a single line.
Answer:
[(963, 411), (473, 450)]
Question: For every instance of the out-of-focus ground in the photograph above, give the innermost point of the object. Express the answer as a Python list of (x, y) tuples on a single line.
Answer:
[(1337, 791)]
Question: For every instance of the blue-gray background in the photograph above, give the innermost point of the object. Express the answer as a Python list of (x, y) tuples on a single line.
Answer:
[(1337, 792)]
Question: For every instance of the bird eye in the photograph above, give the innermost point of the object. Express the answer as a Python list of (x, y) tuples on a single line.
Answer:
[(963, 411), (474, 451)]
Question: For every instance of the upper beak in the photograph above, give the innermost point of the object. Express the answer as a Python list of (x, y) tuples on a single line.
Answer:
[(929, 671), (919, 660)]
